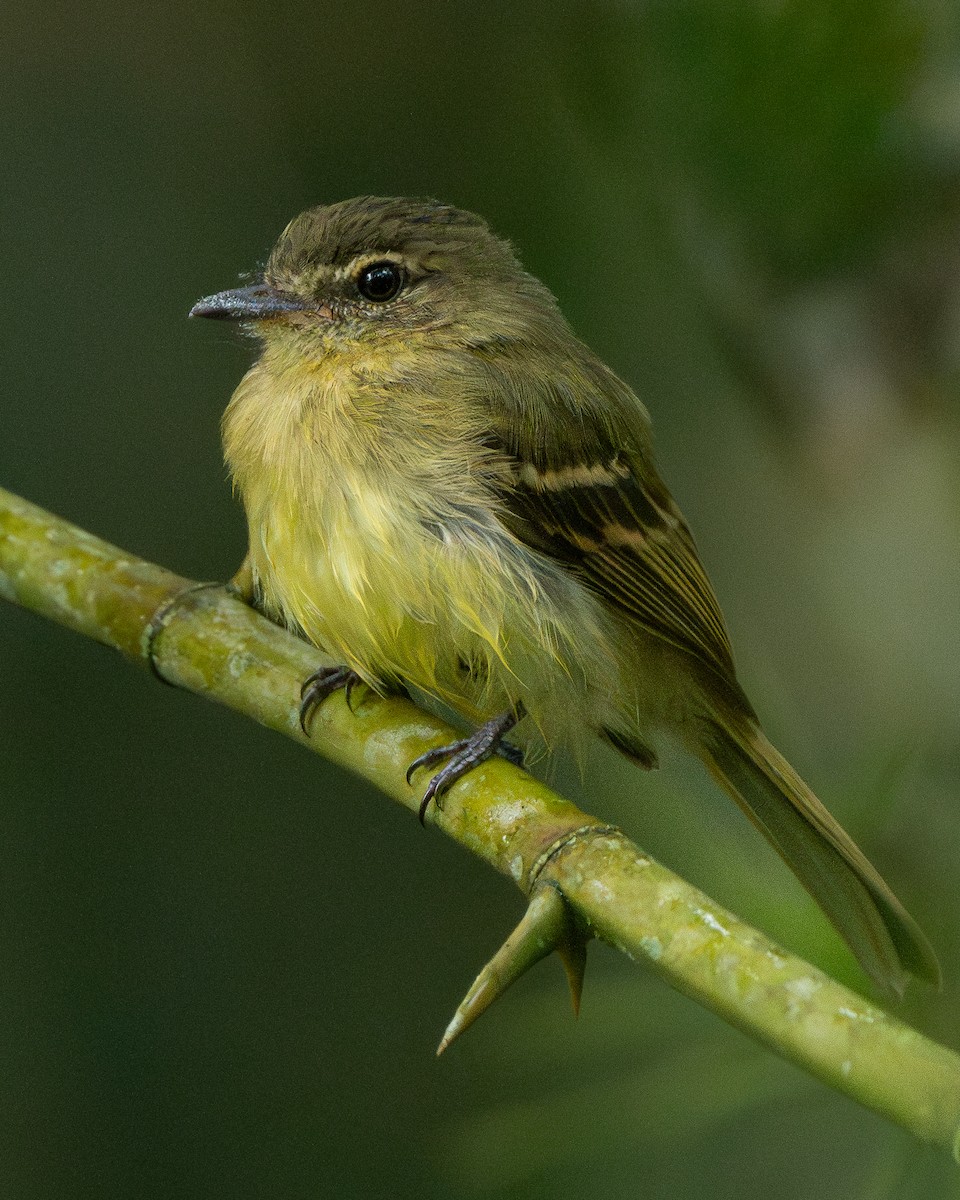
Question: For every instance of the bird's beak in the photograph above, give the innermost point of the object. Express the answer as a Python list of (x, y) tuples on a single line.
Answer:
[(259, 302)]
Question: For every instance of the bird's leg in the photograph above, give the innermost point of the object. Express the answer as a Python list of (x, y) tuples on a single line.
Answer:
[(241, 583), (463, 755), (322, 683)]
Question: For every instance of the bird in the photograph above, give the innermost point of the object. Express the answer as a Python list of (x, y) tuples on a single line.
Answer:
[(447, 491)]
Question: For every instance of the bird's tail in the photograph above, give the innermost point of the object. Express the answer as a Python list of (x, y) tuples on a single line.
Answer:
[(887, 942)]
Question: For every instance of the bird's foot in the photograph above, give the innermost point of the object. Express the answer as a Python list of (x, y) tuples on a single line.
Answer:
[(318, 686), (465, 754)]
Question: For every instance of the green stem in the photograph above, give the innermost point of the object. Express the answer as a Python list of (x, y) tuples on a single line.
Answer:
[(202, 638)]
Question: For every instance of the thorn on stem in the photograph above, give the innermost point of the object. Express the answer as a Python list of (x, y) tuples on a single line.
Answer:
[(547, 925)]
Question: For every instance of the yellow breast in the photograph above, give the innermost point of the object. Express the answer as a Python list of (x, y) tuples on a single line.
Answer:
[(389, 556)]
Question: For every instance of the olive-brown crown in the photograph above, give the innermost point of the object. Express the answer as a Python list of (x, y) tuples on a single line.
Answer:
[(333, 235)]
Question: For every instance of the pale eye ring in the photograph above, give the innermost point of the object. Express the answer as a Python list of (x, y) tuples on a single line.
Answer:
[(380, 281)]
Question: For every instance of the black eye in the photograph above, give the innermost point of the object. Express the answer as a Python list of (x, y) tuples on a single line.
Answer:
[(380, 281)]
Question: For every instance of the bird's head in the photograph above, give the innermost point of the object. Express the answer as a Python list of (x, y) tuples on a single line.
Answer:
[(378, 269)]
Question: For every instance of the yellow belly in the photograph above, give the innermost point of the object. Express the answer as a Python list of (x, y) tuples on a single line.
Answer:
[(397, 601), (454, 607)]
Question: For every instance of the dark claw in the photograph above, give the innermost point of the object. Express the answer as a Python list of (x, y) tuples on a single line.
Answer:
[(318, 686), (463, 755), (437, 754), (352, 682)]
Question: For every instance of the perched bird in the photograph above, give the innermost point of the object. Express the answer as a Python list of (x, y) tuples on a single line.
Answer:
[(446, 489)]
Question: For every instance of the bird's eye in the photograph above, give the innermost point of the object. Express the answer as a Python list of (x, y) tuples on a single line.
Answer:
[(380, 281)]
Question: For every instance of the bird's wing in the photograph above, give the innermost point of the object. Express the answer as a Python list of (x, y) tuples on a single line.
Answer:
[(597, 504)]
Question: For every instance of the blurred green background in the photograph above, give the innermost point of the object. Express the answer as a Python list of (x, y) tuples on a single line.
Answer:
[(224, 967)]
